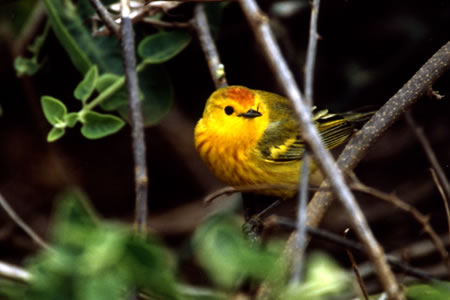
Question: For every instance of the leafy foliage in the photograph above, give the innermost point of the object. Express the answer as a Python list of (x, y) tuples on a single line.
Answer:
[(92, 259)]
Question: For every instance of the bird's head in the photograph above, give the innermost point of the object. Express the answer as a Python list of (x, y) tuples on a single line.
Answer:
[(235, 111)]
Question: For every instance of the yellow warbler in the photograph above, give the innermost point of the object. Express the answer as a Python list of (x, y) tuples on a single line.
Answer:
[(250, 137)]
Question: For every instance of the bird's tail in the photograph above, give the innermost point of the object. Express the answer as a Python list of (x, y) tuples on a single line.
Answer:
[(357, 118)]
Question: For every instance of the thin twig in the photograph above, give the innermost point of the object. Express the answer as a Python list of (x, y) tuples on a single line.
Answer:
[(303, 193), (417, 215), (149, 9), (136, 118), (104, 15), (355, 269), (9, 271), (301, 221), (18, 220), (263, 33), (164, 24), (353, 245), (216, 68), (444, 198), (418, 132), (311, 53)]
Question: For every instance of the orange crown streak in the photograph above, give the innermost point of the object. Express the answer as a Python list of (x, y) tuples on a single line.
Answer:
[(241, 95)]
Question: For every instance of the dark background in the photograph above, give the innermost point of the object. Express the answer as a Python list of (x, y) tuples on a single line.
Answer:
[(367, 51)]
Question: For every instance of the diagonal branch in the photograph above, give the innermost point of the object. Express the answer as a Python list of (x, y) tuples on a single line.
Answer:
[(104, 15), (216, 68), (324, 160), (136, 119), (18, 220)]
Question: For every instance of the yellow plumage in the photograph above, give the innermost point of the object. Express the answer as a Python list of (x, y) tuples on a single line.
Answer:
[(251, 137)]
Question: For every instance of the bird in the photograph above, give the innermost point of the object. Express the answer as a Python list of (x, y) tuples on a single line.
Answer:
[(252, 137)]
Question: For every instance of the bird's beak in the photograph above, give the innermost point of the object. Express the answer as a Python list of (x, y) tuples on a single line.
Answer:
[(250, 114)]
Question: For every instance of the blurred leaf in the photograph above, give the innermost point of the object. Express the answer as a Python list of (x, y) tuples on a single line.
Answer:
[(26, 66), (73, 211), (59, 12), (156, 87), (162, 46), (55, 134), (151, 267), (29, 66), (116, 100), (97, 125), (10, 289), (323, 278), (228, 257), (91, 260), (438, 291), (82, 48), (54, 111), (85, 88)]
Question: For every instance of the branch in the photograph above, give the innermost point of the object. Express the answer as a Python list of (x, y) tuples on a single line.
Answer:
[(440, 174), (136, 119), (305, 169), (18, 220), (137, 15), (324, 160), (349, 244), (15, 273), (104, 15), (216, 68), (358, 146), (417, 215)]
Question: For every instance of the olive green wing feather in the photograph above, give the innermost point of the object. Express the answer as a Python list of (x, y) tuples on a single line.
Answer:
[(282, 142)]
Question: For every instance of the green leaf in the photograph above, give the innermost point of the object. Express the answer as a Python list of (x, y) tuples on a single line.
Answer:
[(71, 119), (116, 100), (155, 88), (438, 291), (29, 66), (26, 66), (228, 257), (54, 111), (91, 259), (83, 49), (162, 46), (155, 85), (85, 88), (323, 278), (100, 125), (55, 134)]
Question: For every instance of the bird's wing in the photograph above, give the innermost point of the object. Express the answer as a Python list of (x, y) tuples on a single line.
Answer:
[(282, 142)]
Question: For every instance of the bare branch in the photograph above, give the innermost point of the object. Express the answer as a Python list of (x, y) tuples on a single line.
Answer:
[(264, 36), (15, 273), (311, 53), (216, 68), (355, 269), (136, 118), (303, 192), (444, 198), (137, 15), (104, 15), (418, 132), (18, 220)]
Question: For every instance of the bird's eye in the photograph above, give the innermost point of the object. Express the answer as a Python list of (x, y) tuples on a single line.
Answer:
[(229, 110)]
